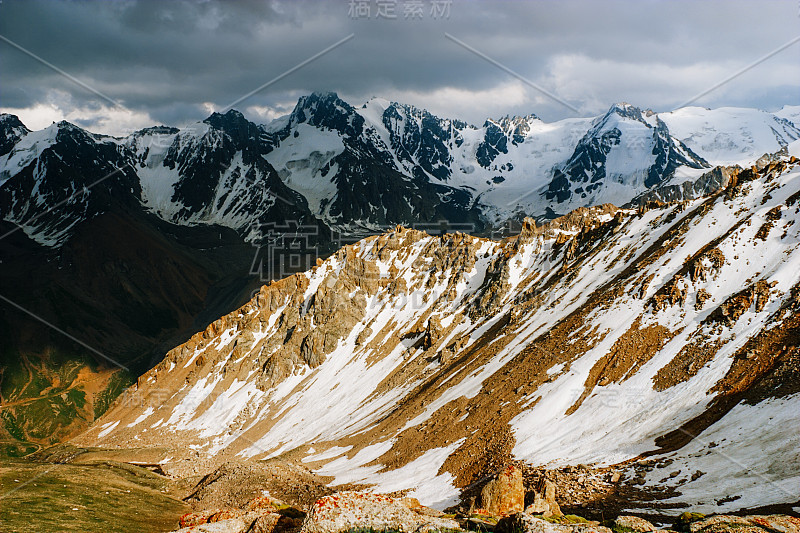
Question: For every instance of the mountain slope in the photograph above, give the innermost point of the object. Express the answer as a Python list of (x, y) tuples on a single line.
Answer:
[(127, 286), (226, 204), (624, 152), (337, 158), (54, 178), (127, 245), (407, 361)]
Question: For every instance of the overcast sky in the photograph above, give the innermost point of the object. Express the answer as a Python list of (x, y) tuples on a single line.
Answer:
[(175, 62)]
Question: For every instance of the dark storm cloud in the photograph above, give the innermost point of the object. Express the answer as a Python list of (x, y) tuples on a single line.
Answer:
[(167, 59)]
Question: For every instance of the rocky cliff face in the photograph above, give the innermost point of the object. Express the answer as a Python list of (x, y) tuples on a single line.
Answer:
[(410, 361), (625, 146)]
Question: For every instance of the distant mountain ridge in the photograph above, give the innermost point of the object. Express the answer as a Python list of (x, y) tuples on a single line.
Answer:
[(358, 170)]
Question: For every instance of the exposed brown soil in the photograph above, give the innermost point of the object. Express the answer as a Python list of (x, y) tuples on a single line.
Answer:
[(684, 366), (633, 349)]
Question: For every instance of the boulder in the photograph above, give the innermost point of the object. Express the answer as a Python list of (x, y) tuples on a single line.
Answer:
[(344, 511), (263, 503), (633, 523), (544, 502), (527, 523), (267, 523), (505, 494)]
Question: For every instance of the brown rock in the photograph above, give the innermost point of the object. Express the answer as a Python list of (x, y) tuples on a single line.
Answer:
[(265, 523), (505, 494), (544, 502), (633, 523), (432, 333)]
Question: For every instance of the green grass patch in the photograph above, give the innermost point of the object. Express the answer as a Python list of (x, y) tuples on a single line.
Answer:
[(564, 519), (97, 498), (683, 521)]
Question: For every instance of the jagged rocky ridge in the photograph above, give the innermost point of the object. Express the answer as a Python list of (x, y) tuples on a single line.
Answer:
[(409, 361)]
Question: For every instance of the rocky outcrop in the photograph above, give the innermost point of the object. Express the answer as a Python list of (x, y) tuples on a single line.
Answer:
[(544, 501), (433, 333), (756, 295), (528, 523), (672, 293), (709, 183), (708, 263), (345, 511), (633, 524), (505, 493)]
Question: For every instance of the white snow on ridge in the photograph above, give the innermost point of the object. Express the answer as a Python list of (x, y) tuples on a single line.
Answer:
[(791, 113), (299, 161), (729, 135), (26, 151)]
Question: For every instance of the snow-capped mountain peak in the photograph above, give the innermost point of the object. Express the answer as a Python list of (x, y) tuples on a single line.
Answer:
[(11, 131), (361, 169)]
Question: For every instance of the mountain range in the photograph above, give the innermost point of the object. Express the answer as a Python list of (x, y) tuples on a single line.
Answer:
[(129, 245), (362, 169)]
